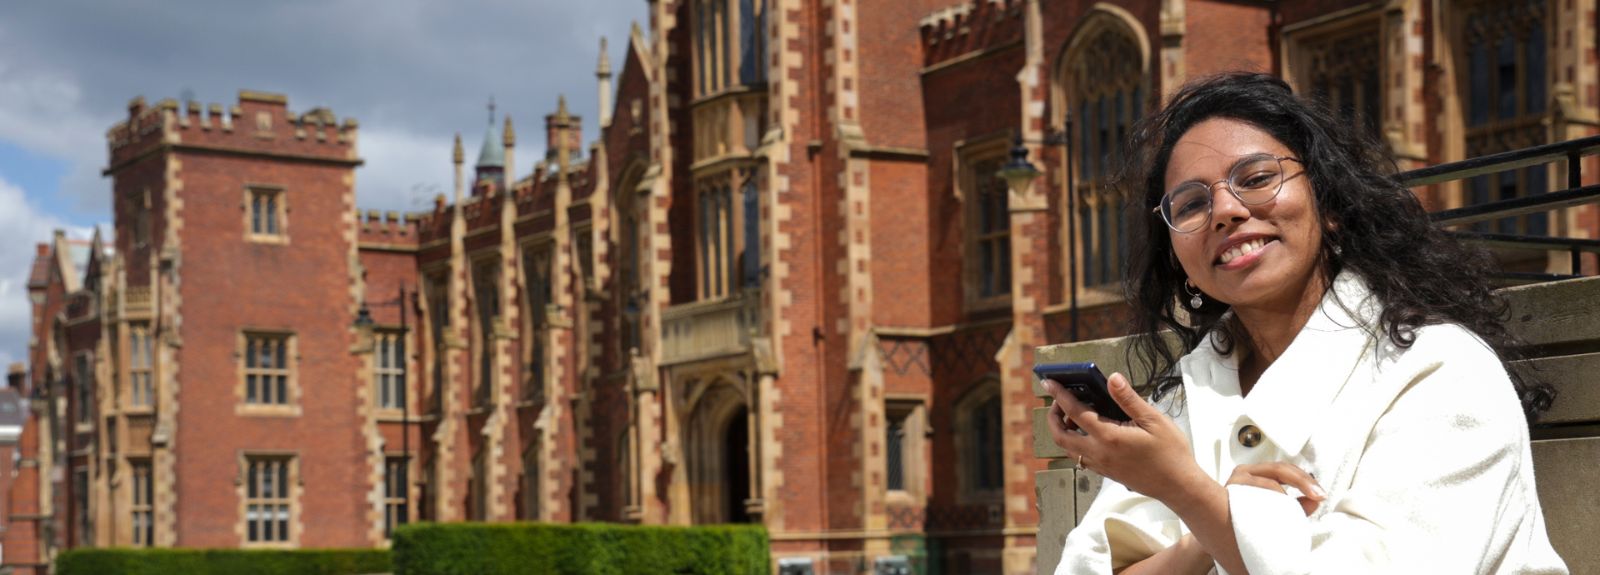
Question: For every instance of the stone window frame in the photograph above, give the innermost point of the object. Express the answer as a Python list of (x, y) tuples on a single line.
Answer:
[(912, 411), (1304, 44), (989, 149), (81, 517), (1528, 126), (728, 53), (1099, 217), (278, 213), (396, 504), (967, 447), (716, 225), (390, 376), (291, 402), (436, 325), (485, 367), (141, 368), (141, 502), (293, 485), (83, 388), (536, 253)]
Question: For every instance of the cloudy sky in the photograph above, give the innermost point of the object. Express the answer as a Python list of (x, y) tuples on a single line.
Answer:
[(413, 72)]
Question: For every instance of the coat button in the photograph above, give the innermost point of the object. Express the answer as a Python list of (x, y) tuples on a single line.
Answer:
[(1249, 436)]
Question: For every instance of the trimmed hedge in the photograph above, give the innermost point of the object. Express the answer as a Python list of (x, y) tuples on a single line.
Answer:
[(600, 548), (122, 561)]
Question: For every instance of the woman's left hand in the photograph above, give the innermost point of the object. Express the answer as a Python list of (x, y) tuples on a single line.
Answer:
[(1148, 454)]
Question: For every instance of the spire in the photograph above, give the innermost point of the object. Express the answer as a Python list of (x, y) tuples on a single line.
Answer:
[(492, 154), (510, 138), (603, 73), (603, 69), (457, 155)]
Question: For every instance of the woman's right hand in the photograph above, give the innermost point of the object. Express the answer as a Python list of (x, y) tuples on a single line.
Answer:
[(1274, 476)]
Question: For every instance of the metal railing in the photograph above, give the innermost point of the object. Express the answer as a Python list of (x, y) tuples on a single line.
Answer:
[(1575, 194)]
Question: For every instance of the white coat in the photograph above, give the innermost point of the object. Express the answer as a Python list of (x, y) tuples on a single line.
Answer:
[(1423, 452)]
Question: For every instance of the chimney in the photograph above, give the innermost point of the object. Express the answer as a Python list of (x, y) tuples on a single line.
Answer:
[(15, 374)]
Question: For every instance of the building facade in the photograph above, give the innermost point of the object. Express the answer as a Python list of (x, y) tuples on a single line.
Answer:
[(784, 286)]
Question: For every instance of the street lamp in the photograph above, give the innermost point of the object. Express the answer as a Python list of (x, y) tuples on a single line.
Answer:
[(364, 322), (1019, 173)]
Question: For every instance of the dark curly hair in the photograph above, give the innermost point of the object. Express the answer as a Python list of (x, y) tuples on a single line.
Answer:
[(1373, 225)]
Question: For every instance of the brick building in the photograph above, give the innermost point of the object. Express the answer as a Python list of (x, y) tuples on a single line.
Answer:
[(784, 286)]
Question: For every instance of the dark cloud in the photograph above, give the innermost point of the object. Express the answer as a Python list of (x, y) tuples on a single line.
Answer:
[(409, 70), (412, 72)]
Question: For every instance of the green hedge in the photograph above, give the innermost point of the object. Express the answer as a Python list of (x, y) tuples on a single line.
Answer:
[(222, 562), (600, 548)]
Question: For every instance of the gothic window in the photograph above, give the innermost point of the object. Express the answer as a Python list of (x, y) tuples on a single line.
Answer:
[(988, 268), (530, 481), (980, 444), (389, 372), (1343, 69), (486, 300), (715, 237), (632, 249), (1505, 103), (729, 36), (438, 293), (140, 365), (536, 273), (583, 248), (1105, 95), (143, 498), (83, 376), (396, 507), (80, 502)]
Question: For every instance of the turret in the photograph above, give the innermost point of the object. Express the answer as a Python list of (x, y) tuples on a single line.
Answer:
[(492, 155), (562, 131)]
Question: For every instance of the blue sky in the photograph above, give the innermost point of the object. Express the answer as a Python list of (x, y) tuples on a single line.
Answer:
[(413, 72)]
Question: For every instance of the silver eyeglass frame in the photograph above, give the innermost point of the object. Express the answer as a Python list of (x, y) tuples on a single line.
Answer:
[(1228, 184)]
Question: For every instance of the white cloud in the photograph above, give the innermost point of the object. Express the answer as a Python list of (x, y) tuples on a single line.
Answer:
[(22, 226)]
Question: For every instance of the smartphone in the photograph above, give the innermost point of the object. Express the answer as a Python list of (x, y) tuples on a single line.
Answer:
[(1086, 383)]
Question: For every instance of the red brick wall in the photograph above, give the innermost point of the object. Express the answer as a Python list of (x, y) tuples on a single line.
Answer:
[(229, 284)]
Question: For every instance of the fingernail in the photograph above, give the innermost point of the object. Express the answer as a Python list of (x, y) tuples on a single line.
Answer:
[(1117, 383), (1319, 492)]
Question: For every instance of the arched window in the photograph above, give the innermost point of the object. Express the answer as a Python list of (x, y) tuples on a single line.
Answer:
[(1104, 77), (1504, 103), (536, 276), (1342, 65), (980, 444)]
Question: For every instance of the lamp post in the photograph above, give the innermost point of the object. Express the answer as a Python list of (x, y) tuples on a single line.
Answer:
[(364, 322), (1019, 173)]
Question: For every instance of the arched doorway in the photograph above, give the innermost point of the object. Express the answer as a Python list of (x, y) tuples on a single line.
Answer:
[(736, 456), (718, 448)]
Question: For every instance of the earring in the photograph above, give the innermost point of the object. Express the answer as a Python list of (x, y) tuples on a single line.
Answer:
[(1195, 301)]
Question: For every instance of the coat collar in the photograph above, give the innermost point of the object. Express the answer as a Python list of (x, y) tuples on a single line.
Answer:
[(1288, 401)]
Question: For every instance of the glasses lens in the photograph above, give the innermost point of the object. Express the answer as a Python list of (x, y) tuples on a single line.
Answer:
[(1257, 179), (1187, 207)]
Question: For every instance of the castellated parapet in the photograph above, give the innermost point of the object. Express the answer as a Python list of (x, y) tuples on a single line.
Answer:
[(260, 123)]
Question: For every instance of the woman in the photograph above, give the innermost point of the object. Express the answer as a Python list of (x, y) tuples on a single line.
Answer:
[(1341, 407)]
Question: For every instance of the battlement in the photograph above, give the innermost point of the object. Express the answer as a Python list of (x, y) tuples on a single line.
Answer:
[(958, 20), (260, 122), (389, 228)]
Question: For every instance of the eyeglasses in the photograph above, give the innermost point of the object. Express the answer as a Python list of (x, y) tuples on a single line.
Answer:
[(1256, 179)]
